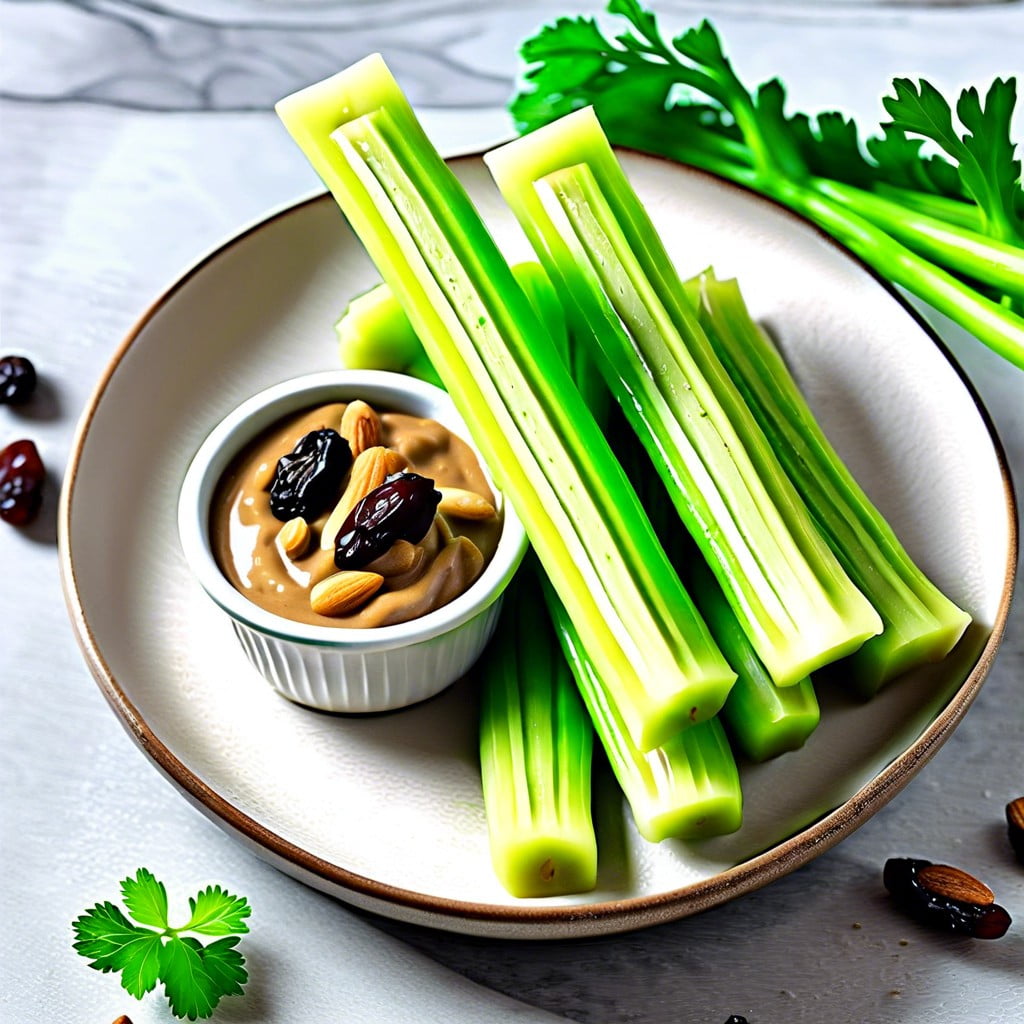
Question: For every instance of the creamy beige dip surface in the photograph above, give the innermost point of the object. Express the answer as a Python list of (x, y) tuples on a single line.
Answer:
[(244, 532)]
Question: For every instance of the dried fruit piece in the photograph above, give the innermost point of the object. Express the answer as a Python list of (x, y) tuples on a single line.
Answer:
[(360, 426), (344, 592), (402, 508), (1015, 826), (294, 537), (17, 380), (459, 503), (22, 477), (903, 879), (307, 479)]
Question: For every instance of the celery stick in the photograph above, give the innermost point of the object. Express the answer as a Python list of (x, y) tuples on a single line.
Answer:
[(536, 744), (764, 720), (600, 248), (920, 623), (688, 788), (506, 377), (375, 334)]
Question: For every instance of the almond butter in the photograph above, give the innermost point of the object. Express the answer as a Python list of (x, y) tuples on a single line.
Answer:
[(954, 884), (344, 591), (293, 538), (360, 426), (459, 503)]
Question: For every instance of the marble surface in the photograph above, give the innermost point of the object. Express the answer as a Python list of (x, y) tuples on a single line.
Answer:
[(135, 136)]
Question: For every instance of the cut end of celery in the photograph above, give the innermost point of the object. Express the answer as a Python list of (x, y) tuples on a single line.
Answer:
[(771, 732), (878, 662), (817, 654), (715, 814), (699, 702), (690, 787), (533, 866)]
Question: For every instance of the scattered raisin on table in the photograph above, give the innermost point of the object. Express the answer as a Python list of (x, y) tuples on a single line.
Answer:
[(22, 476), (17, 380), (307, 480), (402, 508)]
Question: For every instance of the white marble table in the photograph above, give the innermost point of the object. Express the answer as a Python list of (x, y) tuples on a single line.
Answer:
[(135, 137)]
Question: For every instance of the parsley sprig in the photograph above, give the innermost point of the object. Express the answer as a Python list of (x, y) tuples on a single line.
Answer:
[(947, 226), (146, 950)]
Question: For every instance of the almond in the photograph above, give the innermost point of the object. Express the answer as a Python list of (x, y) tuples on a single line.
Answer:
[(369, 470), (399, 558), (293, 538), (954, 884), (344, 592), (1015, 813), (360, 426), (462, 504)]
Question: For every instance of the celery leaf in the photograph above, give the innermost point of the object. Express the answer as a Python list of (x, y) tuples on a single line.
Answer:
[(984, 153)]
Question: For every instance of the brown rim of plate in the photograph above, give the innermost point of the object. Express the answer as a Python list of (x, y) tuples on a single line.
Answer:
[(533, 922)]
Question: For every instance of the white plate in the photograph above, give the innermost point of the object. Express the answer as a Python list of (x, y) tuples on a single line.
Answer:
[(385, 812)]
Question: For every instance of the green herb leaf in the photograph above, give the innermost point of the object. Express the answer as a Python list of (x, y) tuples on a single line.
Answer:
[(985, 153), (145, 898), (188, 986), (216, 912), (107, 938), (682, 100), (195, 977)]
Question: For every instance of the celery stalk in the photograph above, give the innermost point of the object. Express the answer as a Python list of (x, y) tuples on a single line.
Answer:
[(536, 745), (764, 720), (600, 248), (506, 377), (375, 334), (920, 623), (687, 788)]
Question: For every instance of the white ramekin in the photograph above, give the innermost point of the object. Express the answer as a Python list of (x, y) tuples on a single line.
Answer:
[(335, 668)]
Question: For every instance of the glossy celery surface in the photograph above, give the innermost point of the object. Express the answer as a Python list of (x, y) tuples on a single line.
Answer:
[(374, 332), (796, 603), (507, 379), (688, 788), (536, 747), (764, 720), (921, 624)]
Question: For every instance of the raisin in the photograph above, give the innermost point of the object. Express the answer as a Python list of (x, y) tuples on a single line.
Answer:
[(900, 877), (307, 480), (402, 508), (17, 380), (22, 476)]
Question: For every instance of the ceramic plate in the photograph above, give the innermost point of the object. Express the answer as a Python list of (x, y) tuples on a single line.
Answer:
[(385, 811)]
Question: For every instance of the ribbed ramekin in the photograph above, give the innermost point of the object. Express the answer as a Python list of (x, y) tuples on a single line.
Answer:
[(336, 668)]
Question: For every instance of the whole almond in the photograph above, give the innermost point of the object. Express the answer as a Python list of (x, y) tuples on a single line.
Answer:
[(399, 558), (294, 537), (459, 503), (954, 884), (344, 592), (369, 470), (360, 426)]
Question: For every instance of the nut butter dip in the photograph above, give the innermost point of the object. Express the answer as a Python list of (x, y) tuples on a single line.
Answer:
[(288, 567)]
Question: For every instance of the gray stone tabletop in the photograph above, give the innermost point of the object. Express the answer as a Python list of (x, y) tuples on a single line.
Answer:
[(137, 135)]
